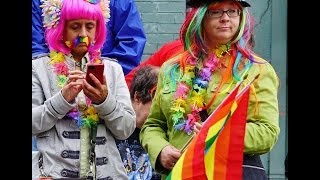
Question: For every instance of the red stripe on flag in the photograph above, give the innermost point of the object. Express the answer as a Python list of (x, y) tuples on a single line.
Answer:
[(187, 171), (219, 113), (198, 158), (221, 153), (236, 147)]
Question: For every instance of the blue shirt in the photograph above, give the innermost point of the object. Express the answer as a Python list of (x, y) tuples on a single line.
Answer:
[(125, 34), (135, 159)]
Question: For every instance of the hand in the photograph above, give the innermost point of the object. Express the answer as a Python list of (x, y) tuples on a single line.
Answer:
[(96, 94), (169, 156), (196, 127), (73, 85)]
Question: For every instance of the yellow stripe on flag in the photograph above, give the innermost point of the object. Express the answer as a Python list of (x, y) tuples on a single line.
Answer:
[(208, 160), (176, 172), (209, 157)]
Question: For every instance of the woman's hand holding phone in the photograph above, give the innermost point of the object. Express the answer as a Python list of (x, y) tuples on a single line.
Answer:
[(95, 87)]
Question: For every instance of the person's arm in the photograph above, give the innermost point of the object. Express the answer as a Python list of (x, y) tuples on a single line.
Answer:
[(45, 112), (153, 134), (262, 128), (125, 35), (117, 111), (39, 47)]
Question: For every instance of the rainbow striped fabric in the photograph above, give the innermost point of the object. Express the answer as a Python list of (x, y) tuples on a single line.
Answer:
[(216, 152)]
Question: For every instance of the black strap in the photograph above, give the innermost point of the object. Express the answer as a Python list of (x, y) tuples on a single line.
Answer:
[(92, 160), (93, 135), (40, 164)]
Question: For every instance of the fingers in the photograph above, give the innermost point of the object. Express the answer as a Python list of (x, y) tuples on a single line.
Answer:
[(71, 90), (76, 74), (98, 94), (104, 80), (196, 127), (172, 165), (73, 72), (89, 91), (169, 156), (96, 81), (74, 77)]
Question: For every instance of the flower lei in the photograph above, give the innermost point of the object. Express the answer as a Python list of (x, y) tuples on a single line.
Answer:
[(197, 84), (82, 116)]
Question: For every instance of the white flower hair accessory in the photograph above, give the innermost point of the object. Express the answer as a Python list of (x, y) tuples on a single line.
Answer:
[(51, 11), (104, 5)]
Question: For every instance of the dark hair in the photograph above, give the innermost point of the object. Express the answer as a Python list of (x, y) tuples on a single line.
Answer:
[(144, 82)]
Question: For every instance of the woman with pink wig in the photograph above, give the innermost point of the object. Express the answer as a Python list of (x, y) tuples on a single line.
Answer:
[(217, 58), (75, 122)]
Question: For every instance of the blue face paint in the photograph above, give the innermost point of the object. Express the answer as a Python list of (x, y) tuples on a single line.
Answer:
[(79, 40)]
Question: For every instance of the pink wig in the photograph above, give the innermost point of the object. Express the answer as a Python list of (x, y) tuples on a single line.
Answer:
[(77, 9)]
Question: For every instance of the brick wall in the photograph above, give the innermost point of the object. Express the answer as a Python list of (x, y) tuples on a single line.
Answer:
[(162, 20)]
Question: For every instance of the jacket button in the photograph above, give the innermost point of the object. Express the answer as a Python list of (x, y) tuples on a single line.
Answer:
[(104, 140), (64, 154), (64, 173), (105, 160), (65, 134)]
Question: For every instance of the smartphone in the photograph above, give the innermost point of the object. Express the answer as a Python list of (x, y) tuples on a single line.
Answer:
[(97, 71)]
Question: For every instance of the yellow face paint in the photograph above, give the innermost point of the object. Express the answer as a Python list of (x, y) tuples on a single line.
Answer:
[(77, 41)]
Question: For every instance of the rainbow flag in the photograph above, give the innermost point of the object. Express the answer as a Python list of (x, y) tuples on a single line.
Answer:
[(216, 152)]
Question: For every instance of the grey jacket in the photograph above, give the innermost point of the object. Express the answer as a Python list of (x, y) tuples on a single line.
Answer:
[(58, 137)]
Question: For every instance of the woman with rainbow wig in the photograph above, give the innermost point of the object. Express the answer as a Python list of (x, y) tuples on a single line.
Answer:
[(75, 122), (217, 60)]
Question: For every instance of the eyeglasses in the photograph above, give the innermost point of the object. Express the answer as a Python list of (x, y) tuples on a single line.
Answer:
[(216, 13)]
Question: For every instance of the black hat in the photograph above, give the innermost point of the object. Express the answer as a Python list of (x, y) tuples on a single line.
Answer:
[(197, 3)]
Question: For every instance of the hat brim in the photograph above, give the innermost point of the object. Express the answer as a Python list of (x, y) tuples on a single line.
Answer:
[(244, 4), (198, 3)]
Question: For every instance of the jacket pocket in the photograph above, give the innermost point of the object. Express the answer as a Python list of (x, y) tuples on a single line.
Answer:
[(221, 94), (166, 97), (42, 138), (43, 134), (225, 89), (167, 88)]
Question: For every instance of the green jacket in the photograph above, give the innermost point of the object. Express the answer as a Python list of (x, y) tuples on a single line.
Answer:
[(262, 128)]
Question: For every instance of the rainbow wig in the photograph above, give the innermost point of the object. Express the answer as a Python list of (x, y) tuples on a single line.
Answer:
[(77, 9), (192, 36)]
